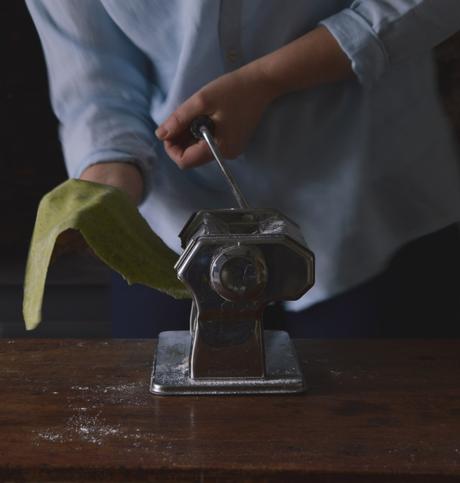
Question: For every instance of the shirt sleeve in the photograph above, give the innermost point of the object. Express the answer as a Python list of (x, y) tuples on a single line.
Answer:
[(100, 85), (378, 34)]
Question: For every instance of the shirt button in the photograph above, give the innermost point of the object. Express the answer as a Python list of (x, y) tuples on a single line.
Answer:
[(232, 55)]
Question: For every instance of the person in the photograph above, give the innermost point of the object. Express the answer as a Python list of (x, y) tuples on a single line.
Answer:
[(328, 110)]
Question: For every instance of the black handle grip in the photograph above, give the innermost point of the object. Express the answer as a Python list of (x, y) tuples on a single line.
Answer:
[(198, 122)]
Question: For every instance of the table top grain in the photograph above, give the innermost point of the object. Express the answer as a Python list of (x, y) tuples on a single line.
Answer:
[(376, 411)]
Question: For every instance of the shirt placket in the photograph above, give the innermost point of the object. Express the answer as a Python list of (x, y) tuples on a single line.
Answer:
[(230, 33)]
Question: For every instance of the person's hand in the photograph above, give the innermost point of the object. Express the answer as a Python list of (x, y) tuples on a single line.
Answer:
[(124, 176), (234, 101)]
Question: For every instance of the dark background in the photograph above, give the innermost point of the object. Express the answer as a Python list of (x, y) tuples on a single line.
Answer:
[(77, 301), (30, 156), (77, 298)]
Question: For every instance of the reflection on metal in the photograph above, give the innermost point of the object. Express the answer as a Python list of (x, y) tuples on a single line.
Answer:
[(235, 262), (203, 127), (172, 369)]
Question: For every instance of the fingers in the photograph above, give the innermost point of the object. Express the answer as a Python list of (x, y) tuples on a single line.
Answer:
[(179, 121), (191, 156), (179, 143), (172, 127)]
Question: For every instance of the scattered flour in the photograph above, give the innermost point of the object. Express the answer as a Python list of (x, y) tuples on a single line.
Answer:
[(86, 423), (50, 436), (336, 373), (90, 428), (81, 427)]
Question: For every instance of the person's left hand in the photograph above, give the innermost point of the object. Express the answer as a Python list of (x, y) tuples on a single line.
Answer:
[(234, 101)]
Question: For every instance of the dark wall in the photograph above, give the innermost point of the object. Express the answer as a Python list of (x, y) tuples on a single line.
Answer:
[(30, 155), (77, 299)]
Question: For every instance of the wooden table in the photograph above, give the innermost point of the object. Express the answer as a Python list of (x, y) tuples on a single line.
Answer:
[(377, 411)]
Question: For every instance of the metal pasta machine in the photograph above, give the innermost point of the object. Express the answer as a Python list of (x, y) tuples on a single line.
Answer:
[(235, 262)]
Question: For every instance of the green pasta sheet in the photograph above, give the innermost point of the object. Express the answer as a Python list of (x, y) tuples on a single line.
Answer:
[(112, 226)]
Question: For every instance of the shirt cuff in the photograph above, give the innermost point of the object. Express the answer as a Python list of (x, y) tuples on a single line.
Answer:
[(360, 43), (143, 162)]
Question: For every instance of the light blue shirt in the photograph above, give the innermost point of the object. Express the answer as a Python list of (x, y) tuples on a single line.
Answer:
[(363, 165)]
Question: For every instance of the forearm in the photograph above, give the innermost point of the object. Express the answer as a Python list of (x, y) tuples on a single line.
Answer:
[(311, 60)]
